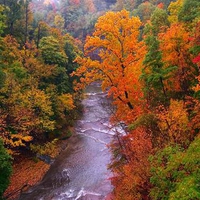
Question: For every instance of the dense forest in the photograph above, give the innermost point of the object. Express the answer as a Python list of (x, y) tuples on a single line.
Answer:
[(146, 55)]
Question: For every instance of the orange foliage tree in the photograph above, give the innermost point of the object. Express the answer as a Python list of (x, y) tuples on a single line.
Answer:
[(114, 56), (131, 171), (175, 46)]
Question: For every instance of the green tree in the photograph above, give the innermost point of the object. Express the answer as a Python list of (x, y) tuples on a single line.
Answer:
[(176, 173), (2, 20), (159, 21), (13, 14), (190, 11), (72, 51), (52, 52), (154, 72), (5, 169)]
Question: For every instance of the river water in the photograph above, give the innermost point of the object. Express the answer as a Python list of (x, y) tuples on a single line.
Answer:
[(80, 172)]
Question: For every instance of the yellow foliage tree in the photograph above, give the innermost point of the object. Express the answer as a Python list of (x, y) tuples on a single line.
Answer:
[(174, 9), (173, 122), (67, 101)]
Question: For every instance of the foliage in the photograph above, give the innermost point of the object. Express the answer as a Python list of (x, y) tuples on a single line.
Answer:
[(175, 172), (35, 87), (143, 120), (189, 12), (2, 20), (5, 169), (51, 51), (13, 13), (173, 122), (25, 109), (154, 73), (144, 11), (150, 68), (175, 47), (48, 148), (66, 101), (116, 43), (132, 180), (159, 21), (174, 9)]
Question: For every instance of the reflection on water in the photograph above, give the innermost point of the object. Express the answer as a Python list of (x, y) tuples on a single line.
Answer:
[(80, 172)]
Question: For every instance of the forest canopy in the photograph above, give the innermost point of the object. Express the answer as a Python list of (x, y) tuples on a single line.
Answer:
[(146, 54)]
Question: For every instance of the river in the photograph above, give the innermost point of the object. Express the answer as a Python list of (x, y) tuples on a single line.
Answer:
[(80, 172)]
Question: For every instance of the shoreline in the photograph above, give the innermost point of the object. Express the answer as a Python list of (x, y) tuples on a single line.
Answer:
[(28, 172)]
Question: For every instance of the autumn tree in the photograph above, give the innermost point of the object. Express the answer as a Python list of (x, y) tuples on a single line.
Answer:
[(79, 17), (23, 114), (115, 56), (59, 51), (195, 43), (2, 26), (55, 52), (131, 167), (144, 11), (175, 46), (41, 30), (35, 90), (174, 9), (72, 51), (173, 123), (59, 22)]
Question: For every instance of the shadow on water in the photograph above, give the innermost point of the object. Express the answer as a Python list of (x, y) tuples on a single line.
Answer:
[(80, 172)]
